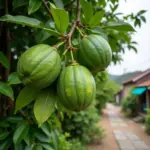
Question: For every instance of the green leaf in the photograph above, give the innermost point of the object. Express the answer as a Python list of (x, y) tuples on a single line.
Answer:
[(31, 22), (87, 10), (55, 140), (42, 36), (95, 20), (22, 20), (14, 78), (34, 5), (38, 147), (142, 12), (4, 124), (19, 146), (42, 137), (46, 129), (61, 18), (4, 145), (15, 119), (27, 147), (25, 97), (99, 31), (59, 3), (113, 44), (143, 19), (115, 8), (6, 90), (47, 146), (44, 106), (4, 135), (19, 3), (21, 132), (29, 139), (4, 60), (134, 48), (120, 26)]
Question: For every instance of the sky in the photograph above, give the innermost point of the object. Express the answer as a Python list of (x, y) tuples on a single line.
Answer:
[(135, 61)]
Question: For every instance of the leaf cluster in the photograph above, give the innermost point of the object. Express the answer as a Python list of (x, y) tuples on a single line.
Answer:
[(18, 133), (83, 126)]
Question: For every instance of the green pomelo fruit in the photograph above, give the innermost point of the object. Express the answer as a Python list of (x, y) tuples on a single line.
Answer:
[(94, 53), (39, 66), (76, 87)]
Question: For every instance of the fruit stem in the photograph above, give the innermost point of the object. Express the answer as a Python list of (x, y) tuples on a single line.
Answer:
[(64, 53), (71, 53), (60, 44), (80, 31)]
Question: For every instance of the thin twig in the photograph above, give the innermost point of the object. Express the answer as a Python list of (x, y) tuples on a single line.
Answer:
[(78, 11), (70, 5), (70, 35), (80, 31), (45, 4), (74, 25)]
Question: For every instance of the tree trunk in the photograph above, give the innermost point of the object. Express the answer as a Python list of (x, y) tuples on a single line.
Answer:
[(5, 102)]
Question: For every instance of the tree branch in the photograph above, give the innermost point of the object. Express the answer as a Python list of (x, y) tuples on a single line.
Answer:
[(8, 102), (45, 4), (78, 11), (74, 25)]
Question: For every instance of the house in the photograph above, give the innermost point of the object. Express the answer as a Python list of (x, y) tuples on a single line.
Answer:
[(119, 96), (142, 90), (131, 83)]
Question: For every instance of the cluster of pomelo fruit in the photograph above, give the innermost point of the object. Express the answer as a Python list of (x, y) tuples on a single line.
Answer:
[(40, 66)]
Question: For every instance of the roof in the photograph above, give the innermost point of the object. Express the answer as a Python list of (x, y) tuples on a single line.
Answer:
[(137, 77), (145, 83), (130, 79)]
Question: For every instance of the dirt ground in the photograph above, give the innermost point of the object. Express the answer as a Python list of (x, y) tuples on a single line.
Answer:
[(109, 142)]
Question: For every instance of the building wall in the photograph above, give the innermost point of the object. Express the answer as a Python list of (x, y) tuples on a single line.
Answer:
[(117, 99), (127, 89), (128, 86), (138, 104), (148, 98)]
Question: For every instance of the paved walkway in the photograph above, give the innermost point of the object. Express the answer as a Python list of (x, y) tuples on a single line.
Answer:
[(122, 133)]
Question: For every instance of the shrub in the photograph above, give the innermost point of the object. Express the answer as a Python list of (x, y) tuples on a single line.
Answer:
[(147, 121), (77, 145), (18, 133), (129, 105), (83, 125)]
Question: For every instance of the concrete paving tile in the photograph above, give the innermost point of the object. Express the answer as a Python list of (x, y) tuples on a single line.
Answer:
[(126, 149), (128, 133), (120, 137), (133, 138), (126, 144), (123, 125), (143, 149), (140, 145), (117, 132)]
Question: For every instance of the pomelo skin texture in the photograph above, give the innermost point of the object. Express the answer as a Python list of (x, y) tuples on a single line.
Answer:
[(95, 53), (39, 66), (76, 87)]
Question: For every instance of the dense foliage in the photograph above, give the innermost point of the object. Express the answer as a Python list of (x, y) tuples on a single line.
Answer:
[(105, 90), (61, 25), (26, 135), (147, 121), (129, 105), (84, 126)]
